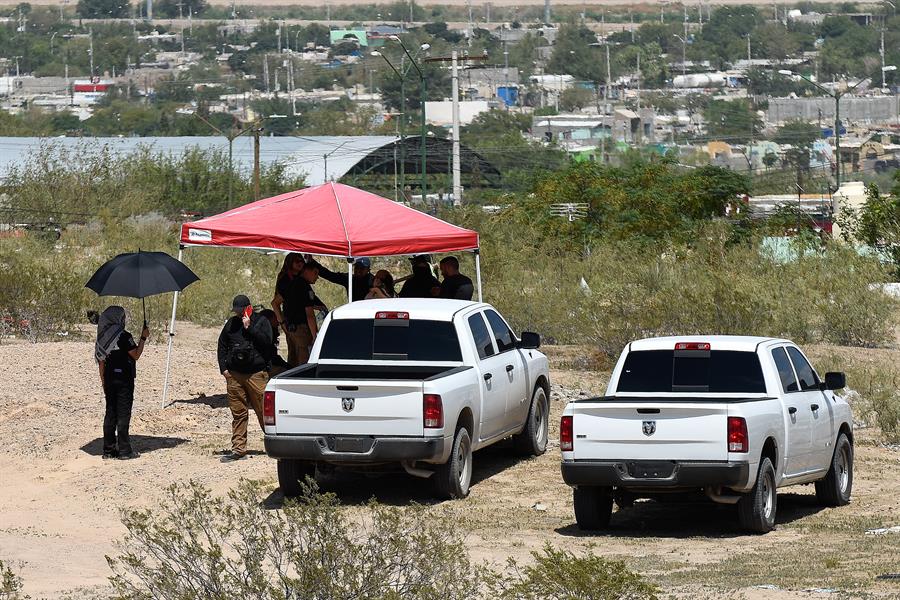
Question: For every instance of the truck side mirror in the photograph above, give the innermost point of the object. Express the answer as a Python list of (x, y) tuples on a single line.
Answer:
[(835, 380), (530, 340)]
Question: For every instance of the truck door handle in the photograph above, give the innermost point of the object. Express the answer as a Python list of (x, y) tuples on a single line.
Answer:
[(792, 410), (814, 407), (509, 368), (487, 376)]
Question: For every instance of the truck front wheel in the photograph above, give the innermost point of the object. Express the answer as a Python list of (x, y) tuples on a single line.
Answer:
[(756, 509), (452, 478), (835, 488), (593, 507), (291, 473)]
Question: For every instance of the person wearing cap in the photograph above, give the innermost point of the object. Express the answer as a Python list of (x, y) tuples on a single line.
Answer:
[(244, 352), (455, 286), (362, 278), (422, 283)]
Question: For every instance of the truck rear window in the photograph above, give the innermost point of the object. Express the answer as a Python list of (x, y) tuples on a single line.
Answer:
[(368, 339), (716, 371)]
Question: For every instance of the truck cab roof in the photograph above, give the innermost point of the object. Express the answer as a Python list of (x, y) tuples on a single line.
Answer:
[(740, 343), (430, 309)]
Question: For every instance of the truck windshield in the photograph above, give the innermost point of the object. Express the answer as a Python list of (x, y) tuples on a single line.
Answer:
[(718, 371), (370, 339)]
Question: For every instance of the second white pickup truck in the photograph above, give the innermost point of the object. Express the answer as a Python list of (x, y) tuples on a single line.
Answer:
[(420, 383), (735, 416)]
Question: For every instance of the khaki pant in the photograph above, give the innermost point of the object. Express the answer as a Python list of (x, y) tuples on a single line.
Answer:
[(298, 342), (245, 391)]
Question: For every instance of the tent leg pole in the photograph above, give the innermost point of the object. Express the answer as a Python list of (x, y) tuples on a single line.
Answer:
[(171, 338), (349, 280), (478, 273)]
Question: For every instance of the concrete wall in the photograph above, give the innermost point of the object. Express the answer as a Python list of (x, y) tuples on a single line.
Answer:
[(875, 109)]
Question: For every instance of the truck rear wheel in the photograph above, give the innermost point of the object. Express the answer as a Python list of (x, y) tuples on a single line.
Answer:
[(452, 479), (835, 488), (593, 507), (756, 509), (533, 439), (291, 473)]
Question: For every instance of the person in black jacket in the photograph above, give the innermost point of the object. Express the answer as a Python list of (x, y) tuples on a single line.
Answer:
[(362, 278), (244, 352), (116, 353), (455, 286), (423, 283)]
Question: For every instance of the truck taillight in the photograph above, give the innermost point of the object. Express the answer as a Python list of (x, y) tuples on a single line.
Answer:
[(269, 408), (565, 434), (432, 411), (738, 441)]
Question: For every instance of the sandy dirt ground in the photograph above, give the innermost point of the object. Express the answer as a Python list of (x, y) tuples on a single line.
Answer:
[(59, 501)]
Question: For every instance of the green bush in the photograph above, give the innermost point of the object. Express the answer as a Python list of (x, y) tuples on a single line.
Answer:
[(561, 575), (203, 547), (207, 548), (873, 388), (710, 287), (10, 583)]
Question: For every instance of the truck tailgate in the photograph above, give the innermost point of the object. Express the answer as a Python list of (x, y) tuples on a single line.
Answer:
[(321, 406), (646, 430)]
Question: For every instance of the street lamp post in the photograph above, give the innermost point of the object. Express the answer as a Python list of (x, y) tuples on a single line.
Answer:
[(422, 99), (683, 54), (423, 95), (837, 95), (402, 117)]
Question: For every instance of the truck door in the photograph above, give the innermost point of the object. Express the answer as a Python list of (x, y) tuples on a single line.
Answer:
[(514, 375), (798, 421), (492, 373), (821, 413)]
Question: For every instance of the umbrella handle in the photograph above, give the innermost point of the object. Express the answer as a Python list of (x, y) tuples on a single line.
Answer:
[(144, 304)]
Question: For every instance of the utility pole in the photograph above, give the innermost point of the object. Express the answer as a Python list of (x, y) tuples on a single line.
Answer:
[(748, 47), (457, 187), (256, 131), (149, 10), (883, 73), (90, 50), (454, 77), (639, 81)]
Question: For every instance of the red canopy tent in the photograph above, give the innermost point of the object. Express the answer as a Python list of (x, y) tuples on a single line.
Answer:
[(331, 219)]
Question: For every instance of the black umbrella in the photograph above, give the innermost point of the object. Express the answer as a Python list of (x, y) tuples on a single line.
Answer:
[(141, 274)]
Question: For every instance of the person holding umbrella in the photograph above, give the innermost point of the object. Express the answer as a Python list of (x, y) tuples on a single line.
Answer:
[(116, 353)]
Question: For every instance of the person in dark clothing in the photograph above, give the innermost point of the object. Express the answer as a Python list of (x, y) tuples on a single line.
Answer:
[(294, 305), (116, 353), (277, 365), (362, 278), (423, 283), (455, 286), (244, 352)]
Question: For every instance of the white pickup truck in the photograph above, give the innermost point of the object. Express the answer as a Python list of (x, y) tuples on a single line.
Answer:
[(737, 417), (417, 383)]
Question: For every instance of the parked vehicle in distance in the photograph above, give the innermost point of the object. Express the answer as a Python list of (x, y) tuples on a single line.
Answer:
[(737, 417), (420, 383)]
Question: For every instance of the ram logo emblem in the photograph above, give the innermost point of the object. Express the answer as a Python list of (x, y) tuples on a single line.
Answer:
[(348, 403), (649, 428)]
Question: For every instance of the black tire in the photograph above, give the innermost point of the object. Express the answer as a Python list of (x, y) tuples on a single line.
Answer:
[(533, 439), (291, 473), (757, 508), (593, 507), (452, 479), (835, 488)]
